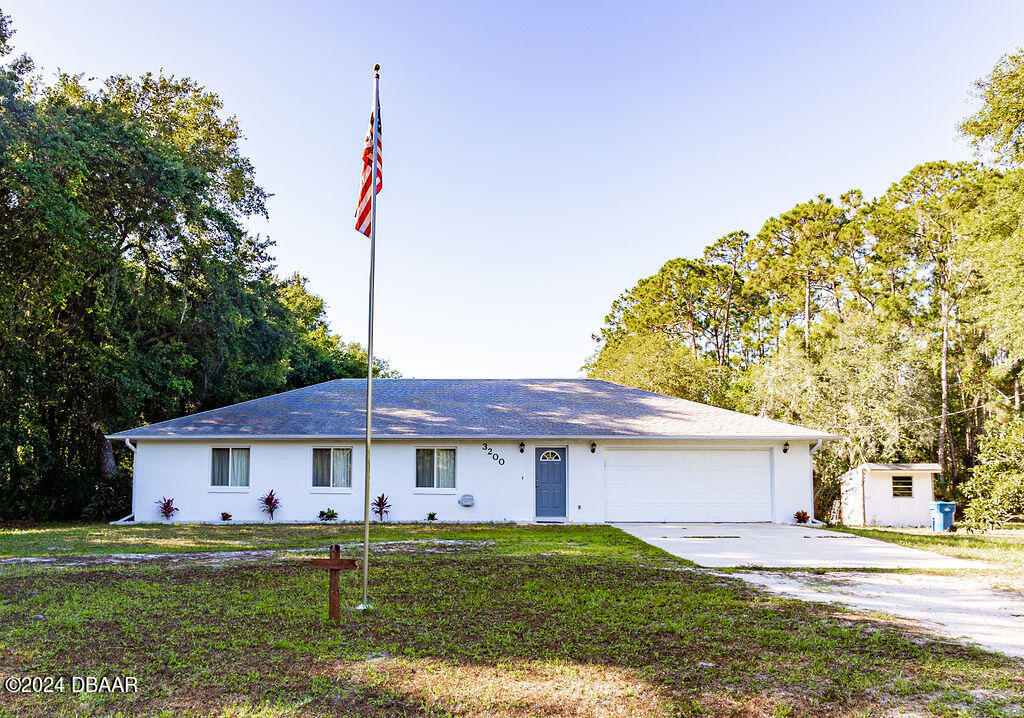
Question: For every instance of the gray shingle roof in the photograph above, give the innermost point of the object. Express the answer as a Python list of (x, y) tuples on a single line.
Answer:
[(483, 408)]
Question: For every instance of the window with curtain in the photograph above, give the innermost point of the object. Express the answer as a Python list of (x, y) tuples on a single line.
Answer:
[(435, 468), (424, 468), (444, 468), (230, 467), (332, 467), (221, 467)]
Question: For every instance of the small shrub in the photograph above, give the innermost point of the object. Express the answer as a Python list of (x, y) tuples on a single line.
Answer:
[(329, 514), (269, 504), (801, 517), (225, 516), (167, 507), (826, 496), (432, 516), (381, 507)]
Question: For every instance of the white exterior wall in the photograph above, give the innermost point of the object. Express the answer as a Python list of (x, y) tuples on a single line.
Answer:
[(181, 470), (870, 491), (884, 509), (792, 482), (851, 498)]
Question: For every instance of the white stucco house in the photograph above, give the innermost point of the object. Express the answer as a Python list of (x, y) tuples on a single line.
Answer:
[(572, 450), (887, 495)]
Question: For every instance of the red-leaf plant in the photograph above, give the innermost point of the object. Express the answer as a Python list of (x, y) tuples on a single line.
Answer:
[(167, 507), (225, 516), (380, 507), (269, 503), (801, 517)]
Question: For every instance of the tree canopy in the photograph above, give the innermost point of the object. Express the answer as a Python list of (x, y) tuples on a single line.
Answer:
[(130, 289), (893, 322)]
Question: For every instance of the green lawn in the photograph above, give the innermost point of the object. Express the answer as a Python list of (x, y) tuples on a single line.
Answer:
[(70, 539), (582, 621), (1003, 548)]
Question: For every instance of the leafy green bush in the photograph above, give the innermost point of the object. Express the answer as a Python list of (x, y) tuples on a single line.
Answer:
[(328, 515), (995, 490)]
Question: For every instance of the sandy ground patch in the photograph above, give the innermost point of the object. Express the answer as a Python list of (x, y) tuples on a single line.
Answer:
[(958, 607), (217, 558), (517, 688)]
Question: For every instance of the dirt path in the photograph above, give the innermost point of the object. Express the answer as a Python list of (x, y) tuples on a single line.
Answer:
[(955, 606)]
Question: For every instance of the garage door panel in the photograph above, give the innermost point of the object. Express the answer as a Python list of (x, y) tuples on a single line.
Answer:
[(682, 485), (683, 457)]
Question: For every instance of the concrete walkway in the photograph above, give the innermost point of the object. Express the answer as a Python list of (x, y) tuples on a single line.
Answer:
[(784, 546)]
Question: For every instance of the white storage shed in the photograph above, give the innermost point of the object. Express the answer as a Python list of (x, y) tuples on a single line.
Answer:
[(887, 495)]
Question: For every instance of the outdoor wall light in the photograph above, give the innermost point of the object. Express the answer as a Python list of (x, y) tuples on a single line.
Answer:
[(522, 447), (785, 448), (593, 447)]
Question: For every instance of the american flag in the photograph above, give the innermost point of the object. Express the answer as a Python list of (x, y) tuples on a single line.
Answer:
[(363, 205)]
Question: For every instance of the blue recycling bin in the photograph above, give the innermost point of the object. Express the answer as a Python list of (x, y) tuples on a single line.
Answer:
[(942, 514)]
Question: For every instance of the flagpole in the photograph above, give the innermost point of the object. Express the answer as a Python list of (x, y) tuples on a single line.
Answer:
[(365, 605)]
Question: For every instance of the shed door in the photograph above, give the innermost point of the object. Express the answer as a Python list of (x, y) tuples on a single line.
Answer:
[(687, 485)]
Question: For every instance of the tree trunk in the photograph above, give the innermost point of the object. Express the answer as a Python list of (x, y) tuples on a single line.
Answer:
[(944, 379), (108, 467), (726, 332), (951, 457), (807, 312)]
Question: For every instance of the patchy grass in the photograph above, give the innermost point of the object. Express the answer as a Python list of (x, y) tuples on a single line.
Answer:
[(1003, 548), (582, 621)]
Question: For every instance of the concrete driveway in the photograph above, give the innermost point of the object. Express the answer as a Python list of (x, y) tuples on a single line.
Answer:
[(783, 546), (959, 606)]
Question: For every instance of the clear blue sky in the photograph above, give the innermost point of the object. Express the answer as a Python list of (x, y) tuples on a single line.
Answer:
[(541, 157)]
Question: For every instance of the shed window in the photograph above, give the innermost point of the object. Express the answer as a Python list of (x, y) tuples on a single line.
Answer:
[(435, 468), (332, 467), (230, 467), (902, 486)]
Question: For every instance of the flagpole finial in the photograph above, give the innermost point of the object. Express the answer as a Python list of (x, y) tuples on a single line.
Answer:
[(376, 70)]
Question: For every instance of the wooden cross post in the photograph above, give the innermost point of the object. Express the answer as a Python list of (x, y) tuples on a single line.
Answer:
[(334, 564)]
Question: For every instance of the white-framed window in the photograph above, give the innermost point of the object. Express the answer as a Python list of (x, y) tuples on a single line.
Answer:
[(903, 486), (229, 466), (435, 468), (332, 467), (550, 456)]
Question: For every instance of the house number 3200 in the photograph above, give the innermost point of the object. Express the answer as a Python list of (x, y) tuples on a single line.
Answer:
[(494, 455)]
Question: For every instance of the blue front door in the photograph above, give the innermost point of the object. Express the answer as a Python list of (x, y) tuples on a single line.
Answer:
[(550, 482)]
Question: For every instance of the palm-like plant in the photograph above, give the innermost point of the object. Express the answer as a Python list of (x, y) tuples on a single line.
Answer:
[(167, 507), (269, 503), (381, 507)]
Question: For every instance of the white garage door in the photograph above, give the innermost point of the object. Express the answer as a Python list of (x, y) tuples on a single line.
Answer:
[(687, 485)]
